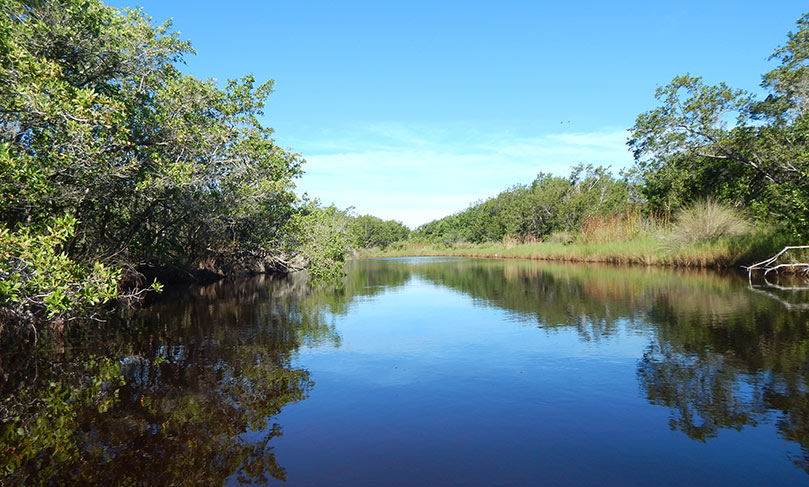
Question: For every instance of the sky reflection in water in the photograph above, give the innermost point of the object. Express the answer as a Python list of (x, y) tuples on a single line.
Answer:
[(430, 371)]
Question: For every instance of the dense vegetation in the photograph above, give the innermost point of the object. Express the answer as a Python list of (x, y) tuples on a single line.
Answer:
[(111, 158), (713, 140), (368, 231), (164, 411), (115, 165), (704, 143), (549, 204)]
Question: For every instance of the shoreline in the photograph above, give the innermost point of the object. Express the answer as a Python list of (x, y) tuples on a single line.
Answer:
[(720, 254)]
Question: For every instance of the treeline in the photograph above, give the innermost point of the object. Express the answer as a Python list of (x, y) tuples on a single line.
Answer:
[(325, 236), (702, 143), (368, 231), (550, 204)]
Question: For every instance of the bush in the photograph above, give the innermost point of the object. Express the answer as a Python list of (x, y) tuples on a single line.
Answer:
[(321, 236), (38, 280)]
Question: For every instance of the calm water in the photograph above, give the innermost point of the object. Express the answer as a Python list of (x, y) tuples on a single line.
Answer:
[(429, 371)]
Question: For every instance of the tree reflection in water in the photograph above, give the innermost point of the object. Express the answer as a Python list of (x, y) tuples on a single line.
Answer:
[(185, 392), (720, 357), (168, 395), (731, 371)]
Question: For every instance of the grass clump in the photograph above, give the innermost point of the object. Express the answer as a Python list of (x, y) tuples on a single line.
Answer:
[(708, 220)]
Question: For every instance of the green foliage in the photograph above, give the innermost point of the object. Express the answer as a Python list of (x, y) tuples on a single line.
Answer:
[(157, 166), (549, 204), (153, 166), (713, 141), (368, 231), (321, 236), (37, 279), (560, 237)]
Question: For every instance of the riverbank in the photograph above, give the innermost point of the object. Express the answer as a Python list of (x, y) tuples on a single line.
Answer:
[(721, 253)]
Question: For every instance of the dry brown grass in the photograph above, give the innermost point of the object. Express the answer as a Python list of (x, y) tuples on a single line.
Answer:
[(625, 227), (510, 241)]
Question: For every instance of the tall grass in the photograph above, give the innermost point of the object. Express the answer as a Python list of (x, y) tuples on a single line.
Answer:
[(707, 220), (626, 227), (723, 252), (612, 228), (510, 241), (706, 234), (561, 238)]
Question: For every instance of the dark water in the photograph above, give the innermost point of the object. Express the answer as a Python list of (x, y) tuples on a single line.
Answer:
[(427, 371)]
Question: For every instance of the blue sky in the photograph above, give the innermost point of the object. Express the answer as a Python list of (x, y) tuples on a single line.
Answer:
[(413, 110)]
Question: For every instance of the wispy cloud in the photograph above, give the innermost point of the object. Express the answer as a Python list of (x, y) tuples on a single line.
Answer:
[(419, 174)]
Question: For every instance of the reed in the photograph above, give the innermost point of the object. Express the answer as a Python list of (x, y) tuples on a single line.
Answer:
[(650, 247)]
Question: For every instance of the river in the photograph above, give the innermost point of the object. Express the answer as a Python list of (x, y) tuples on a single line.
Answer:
[(425, 371)]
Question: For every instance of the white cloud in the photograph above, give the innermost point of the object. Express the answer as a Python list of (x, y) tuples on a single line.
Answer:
[(417, 175)]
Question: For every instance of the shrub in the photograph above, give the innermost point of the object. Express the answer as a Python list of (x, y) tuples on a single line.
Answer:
[(320, 235), (38, 280)]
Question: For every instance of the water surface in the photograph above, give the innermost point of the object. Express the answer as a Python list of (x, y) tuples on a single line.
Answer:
[(428, 371)]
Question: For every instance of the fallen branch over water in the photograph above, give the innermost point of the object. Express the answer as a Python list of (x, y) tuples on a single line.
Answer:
[(767, 265)]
